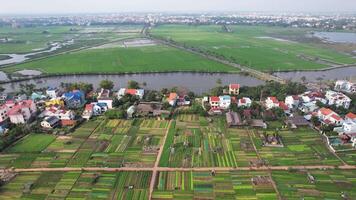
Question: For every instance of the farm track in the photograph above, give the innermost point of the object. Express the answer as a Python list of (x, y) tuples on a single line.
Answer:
[(197, 169)]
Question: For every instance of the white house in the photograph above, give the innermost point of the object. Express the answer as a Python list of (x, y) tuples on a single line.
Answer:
[(271, 102), (172, 98), (329, 117), (88, 111), (310, 96), (244, 102), (292, 101), (350, 117), (345, 86), (214, 102), (338, 99), (58, 112), (134, 92), (52, 93), (50, 122), (104, 97), (225, 102), (234, 89), (308, 107), (22, 111), (3, 113)]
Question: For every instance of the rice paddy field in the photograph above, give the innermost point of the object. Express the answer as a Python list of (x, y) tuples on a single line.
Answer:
[(78, 185), (157, 58), (32, 39), (221, 185), (259, 47)]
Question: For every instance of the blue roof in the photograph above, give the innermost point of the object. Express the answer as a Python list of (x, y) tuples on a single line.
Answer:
[(76, 95)]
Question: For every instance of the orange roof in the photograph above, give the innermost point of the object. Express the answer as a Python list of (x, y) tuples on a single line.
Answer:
[(274, 99), (131, 91), (283, 105), (172, 96), (326, 111), (351, 116), (89, 107), (234, 86)]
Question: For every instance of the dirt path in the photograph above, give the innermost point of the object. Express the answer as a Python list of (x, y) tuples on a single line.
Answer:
[(156, 166), (199, 169)]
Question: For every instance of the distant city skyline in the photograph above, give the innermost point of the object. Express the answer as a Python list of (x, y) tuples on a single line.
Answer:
[(115, 6)]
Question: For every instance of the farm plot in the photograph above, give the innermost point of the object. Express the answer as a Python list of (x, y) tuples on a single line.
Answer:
[(348, 156), (191, 144), (301, 147), (32, 143), (126, 143), (316, 184), (77, 185), (208, 185)]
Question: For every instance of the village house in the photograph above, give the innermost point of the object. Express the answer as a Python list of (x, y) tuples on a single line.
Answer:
[(104, 97), (21, 112), (55, 101), (172, 98), (134, 92), (74, 99), (271, 102), (292, 101), (88, 111), (234, 89), (36, 96), (284, 107), (52, 93), (311, 96), (244, 102), (338, 99), (345, 86), (59, 112), (329, 117), (214, 102), (224, 102), (50, 122), (308, 107), (183, 100), (349, 124), (233, 119), (3, 113)]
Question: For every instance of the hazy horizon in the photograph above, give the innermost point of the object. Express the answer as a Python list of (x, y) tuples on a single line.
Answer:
[(111, 6)]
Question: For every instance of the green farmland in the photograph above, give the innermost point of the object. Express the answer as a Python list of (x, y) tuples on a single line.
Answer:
[(78, 185), (201, 159), (32, 39), (204, 185), (258, 47), (124, 60)]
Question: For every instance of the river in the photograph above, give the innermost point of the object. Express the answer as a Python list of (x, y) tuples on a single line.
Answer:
[(196, 82), (337, 37)]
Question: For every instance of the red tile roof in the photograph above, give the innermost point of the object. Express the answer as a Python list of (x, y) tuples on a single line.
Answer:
[(273, 99), (235, 86), (336, 117), (326, 111), (89, 107), (214, 99), (283, 105), (351, 115)]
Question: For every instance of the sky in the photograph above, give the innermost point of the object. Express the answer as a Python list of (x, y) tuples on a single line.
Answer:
[(113, 6)]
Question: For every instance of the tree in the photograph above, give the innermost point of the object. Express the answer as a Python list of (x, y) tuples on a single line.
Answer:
[(107, 84), (133, 84), (2, 89)]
